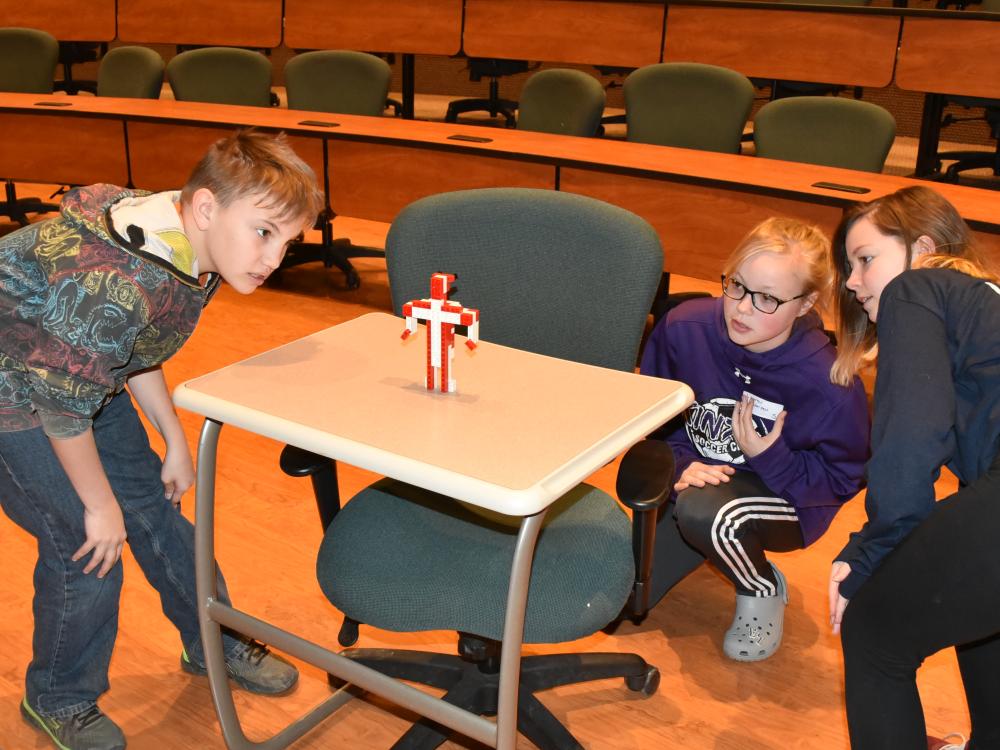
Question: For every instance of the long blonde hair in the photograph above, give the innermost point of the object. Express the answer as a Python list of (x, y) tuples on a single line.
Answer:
[(908, 214)]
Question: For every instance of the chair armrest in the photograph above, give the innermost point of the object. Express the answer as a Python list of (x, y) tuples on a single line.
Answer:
[(297, 462), (645, 478)]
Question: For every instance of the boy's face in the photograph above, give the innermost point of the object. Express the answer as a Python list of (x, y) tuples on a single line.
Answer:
[(242, 242)]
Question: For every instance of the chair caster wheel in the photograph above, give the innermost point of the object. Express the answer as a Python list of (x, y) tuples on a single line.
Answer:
[(645, 683), (353, 280)]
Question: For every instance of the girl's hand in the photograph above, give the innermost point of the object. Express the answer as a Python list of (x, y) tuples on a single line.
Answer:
[(699, 474), (744, 433), (838, 604), (178, 472), (105, 528)]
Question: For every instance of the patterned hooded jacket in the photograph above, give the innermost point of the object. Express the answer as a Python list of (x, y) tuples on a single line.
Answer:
[(106, 289)]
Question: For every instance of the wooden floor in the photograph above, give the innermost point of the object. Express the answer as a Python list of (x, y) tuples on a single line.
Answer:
[(268, 534)]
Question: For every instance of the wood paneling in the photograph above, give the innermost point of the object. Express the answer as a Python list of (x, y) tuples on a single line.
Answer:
[(950, 56), (66, 20), (847, 48), (235, 23), (569, 31), (699, 226), (64, 149), (430, 27)]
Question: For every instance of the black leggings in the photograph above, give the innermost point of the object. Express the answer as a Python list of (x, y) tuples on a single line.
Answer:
[(731, 525), (939, 588)]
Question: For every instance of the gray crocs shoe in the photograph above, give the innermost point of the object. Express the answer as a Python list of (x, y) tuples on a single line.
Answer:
[(757, 626)]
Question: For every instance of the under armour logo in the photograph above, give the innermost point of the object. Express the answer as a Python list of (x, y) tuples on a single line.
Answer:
[(740, 374)]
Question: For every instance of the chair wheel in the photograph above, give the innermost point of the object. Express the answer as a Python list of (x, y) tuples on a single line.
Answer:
[(353, 279), (645, 683)]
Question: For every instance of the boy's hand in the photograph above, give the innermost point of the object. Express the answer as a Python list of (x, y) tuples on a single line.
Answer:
[(744, 433), (838, 603), (105, 528), (699, 474), (178, 473)]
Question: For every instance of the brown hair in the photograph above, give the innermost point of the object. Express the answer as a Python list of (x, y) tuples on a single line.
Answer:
[(786, 237), (908, 214), (250, 162)]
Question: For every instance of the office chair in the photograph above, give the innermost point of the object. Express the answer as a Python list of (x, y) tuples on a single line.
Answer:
[(74, 53), (27, 65), (337, 82), (221, 75), (965, 160), (826, 130), (404, 559), (688, 105), (494, 69), (131, 73), (562, 101)]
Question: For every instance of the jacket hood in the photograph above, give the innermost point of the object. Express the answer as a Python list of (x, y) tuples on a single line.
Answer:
[(141, 223)]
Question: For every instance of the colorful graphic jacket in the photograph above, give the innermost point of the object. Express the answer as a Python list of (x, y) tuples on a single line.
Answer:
[(106, 289), (817, 464)]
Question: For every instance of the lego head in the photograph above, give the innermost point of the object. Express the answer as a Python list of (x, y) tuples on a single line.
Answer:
[(441, 285), (249, 197)]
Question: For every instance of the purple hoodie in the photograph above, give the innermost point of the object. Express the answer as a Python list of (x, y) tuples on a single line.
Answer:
[(818, 462)]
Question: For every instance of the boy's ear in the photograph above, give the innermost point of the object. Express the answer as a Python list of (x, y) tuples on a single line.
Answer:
[(203, 207), (807, 303), (923, 245)]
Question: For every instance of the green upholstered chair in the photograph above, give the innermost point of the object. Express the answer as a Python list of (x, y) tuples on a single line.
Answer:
[(221, 75), (338, 81), (131, 73), (404, 559), (689, 105), (562, 101), (28, 60), (825, 130)]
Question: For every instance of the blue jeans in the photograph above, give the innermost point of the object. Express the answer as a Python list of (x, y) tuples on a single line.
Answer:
[(76, 614)]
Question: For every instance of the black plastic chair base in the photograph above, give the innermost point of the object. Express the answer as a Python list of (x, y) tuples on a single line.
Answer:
[(19, 208), (473, 686), (503, 107), (334, 253)]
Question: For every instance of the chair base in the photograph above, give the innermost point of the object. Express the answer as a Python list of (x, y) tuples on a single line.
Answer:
[(19, 208), (473, 685), (965, 160), (330, 252), (504, 107)]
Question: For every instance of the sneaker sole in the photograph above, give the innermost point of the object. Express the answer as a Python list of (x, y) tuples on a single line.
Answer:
[(37, 723), (193, 669)]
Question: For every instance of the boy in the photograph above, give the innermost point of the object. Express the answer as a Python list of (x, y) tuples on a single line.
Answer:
[(90, 301)]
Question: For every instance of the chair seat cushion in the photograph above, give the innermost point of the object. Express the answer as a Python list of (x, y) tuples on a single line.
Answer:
[(404, 559)]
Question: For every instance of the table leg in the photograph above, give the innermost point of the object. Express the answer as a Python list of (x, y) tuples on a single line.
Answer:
[(513, 630), (409, 85)]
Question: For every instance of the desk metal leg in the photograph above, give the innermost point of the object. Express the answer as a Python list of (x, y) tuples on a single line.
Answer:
[(409, 85), (513, 631)]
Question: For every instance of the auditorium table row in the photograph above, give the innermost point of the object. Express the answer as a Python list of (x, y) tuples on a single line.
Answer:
[(700, 203)]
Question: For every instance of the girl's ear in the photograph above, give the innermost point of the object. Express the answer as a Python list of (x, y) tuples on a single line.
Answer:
[(807, 303), (923, 245)]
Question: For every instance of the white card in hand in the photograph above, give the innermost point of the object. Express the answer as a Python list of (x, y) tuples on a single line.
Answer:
[(763, 408)]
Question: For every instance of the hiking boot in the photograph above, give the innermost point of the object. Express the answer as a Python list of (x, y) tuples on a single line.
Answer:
[(757, 626), (253, 667), (89, 729)]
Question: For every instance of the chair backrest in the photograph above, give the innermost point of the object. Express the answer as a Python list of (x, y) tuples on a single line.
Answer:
[(221, 75), (563, 101), (689, 105), (826, 130), (339, 81), (131, 73), (27, 60), (553, 273)]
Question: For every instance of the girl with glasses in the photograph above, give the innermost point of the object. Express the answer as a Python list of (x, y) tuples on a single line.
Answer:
[(921, 575), (771, 448)]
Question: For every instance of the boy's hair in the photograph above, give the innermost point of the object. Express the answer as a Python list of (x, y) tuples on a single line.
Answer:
[(784, 236), (908, 214), (250, 162)]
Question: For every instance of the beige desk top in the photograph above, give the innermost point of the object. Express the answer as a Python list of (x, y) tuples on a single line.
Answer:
[(522, 429)]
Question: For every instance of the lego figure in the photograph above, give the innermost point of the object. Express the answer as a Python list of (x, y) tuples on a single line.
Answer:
[(442, 316)]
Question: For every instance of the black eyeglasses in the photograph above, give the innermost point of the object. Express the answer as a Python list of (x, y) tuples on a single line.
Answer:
[(766, 303)]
